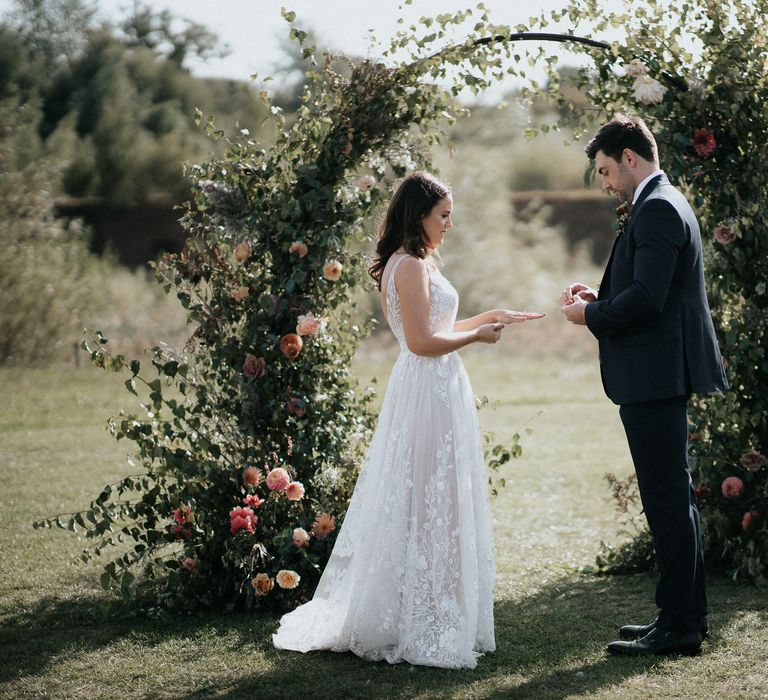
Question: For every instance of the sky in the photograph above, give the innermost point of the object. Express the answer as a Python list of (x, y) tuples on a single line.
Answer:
[(254, 29)]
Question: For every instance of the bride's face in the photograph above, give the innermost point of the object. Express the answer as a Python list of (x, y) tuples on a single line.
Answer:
[(438, 221)]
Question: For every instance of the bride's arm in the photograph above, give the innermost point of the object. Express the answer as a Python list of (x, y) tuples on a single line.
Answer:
[(504, 316), (469, 324), (412, 283)]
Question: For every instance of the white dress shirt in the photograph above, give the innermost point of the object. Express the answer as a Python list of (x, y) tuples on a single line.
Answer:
[(639, 188)]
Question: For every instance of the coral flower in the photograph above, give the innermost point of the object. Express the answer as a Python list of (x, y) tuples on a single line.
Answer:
[(294, 491), (278, 479), (299, 248), (252, 476), (242, 251), (242, 519), (324, 525), (332, 270), (290, 345), (749, 519), (287, 579), (262, 584), (732, 487), (704, 142), (252, 500)]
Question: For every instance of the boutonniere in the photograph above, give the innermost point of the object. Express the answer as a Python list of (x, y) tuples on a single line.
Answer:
[(623, 212)]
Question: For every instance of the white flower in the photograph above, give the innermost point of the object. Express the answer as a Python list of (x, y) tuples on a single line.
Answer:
[(648, 91), (366, 183), (636, 68)]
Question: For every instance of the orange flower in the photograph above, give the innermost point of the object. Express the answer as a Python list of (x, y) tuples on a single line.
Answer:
[(332, 270), (290, 345), (252, 476), (324, 525), (242, 251), (262, 584), (240, 293), (287, 579)]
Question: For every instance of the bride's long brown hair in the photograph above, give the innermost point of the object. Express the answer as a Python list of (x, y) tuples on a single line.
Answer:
[(415, 198)]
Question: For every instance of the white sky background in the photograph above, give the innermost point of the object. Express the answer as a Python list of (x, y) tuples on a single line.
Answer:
[(255, 31)]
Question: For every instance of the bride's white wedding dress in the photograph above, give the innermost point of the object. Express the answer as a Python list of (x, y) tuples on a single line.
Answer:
[(412, 571)]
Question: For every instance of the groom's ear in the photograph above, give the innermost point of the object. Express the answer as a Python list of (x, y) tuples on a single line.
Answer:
[(629, 157)]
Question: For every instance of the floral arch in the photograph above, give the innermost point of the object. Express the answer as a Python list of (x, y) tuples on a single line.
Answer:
[(249, 439)]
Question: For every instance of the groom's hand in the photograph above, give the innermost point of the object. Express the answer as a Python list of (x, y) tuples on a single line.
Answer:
[(577, 289), (574, 310)]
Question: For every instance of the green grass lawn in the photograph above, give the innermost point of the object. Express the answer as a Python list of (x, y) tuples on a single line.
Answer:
[(552, 622)]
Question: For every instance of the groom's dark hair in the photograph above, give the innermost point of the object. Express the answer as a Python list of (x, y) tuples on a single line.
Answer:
[(623, 132)]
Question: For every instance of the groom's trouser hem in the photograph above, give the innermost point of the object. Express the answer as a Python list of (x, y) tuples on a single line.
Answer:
[(657, 433)]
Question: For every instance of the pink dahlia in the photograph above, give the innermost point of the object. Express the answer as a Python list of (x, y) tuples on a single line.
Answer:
[(732, 487), (252, 476), (704, 142), (278, 479)]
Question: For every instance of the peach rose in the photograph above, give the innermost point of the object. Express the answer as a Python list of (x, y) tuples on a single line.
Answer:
[(290, 345), (240, 293), (242, 252), (753, 461), (254, 366), (252, 476), (300, 537), (732, 487), (366, 183), (324, 525), (332, 270), (287, 579), (189, 564), (308, 324), (299, 248), (278, 479), (294, 491), (262, 584), (723, 234), (346, 149)]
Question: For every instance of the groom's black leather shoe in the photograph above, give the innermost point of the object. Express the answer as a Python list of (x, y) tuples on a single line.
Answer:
[(637, 631), (659, 641)]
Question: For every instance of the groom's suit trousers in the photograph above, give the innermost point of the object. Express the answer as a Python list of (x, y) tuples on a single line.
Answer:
[(657, 433)]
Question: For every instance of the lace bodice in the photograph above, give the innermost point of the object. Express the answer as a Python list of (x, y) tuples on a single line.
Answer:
[(444, 302)]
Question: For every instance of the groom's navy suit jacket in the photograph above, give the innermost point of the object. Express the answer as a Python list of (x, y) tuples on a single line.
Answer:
[(651, 317)]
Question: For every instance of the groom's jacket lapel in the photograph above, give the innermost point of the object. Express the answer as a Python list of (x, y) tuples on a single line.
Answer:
[(651, 318), (604, 288)]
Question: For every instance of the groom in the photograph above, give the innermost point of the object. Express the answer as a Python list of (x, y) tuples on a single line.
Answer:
[(657, 347)]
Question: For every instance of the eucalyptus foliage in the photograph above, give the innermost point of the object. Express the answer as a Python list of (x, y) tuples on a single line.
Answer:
[(697, 72)]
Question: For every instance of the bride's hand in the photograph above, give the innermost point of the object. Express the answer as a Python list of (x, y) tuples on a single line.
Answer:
[(489, 332), (506, 316)]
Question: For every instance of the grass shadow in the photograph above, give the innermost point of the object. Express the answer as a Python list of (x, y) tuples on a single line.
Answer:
[(550, 644)]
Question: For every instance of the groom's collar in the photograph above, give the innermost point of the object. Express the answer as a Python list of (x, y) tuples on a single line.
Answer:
[(639, 190)]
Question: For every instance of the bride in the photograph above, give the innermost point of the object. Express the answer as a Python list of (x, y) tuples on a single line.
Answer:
[(411, 574)]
